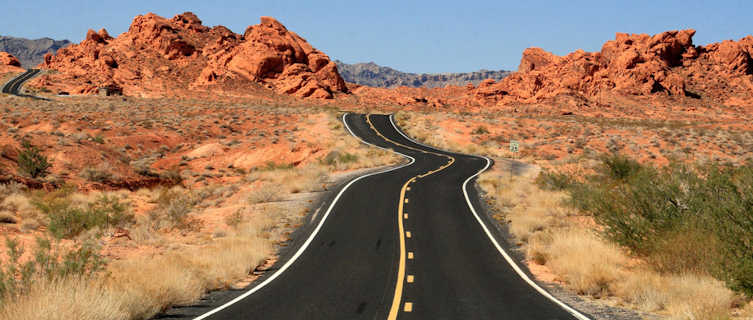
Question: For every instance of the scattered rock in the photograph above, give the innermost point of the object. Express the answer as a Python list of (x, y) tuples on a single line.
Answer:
[(7, 217), (9, 152)]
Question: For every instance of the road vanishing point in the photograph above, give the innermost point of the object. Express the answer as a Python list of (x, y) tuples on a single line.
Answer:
[(408, 242)]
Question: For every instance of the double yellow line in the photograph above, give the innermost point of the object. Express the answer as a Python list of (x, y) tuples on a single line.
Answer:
[(396, 300)]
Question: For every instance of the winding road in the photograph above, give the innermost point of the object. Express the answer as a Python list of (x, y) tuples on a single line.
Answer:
[(14, 85), (410, 242)]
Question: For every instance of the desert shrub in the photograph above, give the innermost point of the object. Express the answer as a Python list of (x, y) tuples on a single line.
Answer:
[(171, 176), (553, 181), (50, 262), (264, 193), (143, 167), (480, 130), (32, 162), (68, 220), (619, 167), (175, 205), (726, 200), (235, 218), (100, 174), (338, 157), (683, 219), (271, 165)]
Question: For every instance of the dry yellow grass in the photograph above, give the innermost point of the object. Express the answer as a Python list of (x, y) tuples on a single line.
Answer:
[(568, 245), (67, 299), (140, 287), (680, 296)]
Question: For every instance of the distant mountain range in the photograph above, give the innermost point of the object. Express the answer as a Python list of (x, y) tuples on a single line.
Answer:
[(30, 52), (374, 75)]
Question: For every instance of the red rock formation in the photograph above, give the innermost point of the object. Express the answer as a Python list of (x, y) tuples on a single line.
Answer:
[(536, 58), (8, 59), (9, 63), (666, 64), (159, 56)]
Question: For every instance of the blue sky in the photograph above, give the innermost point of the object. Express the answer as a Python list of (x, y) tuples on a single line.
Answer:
[(413, 36)]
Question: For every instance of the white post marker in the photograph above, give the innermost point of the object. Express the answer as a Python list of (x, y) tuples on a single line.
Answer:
[(514, 146)]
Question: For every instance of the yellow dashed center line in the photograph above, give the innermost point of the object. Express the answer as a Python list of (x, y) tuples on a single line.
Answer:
[(408, 306)]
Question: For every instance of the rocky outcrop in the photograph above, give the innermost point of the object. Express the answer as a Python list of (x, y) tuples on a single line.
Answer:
[(268, 51), (666, 64), (8, 59), (9, 63), (373, 75), (536, 58), (159, 57)]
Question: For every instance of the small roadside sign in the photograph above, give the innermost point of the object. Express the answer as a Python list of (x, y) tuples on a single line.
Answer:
[(514, 146)]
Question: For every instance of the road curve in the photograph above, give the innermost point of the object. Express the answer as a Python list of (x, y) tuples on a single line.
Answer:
[(405, 243), (14, 85)]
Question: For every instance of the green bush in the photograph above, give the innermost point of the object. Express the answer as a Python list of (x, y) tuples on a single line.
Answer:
[(726, 199), (619, 167), (32, 162), (50, 261), (67, 220), (553, 181), (480, 130), (335, 157), (680, 218)]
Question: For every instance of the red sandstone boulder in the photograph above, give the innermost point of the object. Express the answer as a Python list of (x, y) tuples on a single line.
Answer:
[(8, 59), (534, 58)]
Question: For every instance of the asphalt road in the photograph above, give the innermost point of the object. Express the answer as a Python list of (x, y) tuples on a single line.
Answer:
[(404, 243), (14, 85)]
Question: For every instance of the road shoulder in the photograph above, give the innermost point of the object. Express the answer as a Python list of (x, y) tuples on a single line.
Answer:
[(594, 309), (319, 202)]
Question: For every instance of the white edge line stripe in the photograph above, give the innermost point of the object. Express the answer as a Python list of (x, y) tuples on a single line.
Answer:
[(313, 234), (502, 251)]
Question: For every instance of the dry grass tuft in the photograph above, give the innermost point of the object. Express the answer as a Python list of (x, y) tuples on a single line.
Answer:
[(588, 264), (66, 299), (142, 287), (559, 238), (187, 252)]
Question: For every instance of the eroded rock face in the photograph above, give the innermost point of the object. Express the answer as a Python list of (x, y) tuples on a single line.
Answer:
[(159, 56), (8, 59), (536, 58), (666, 64)]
